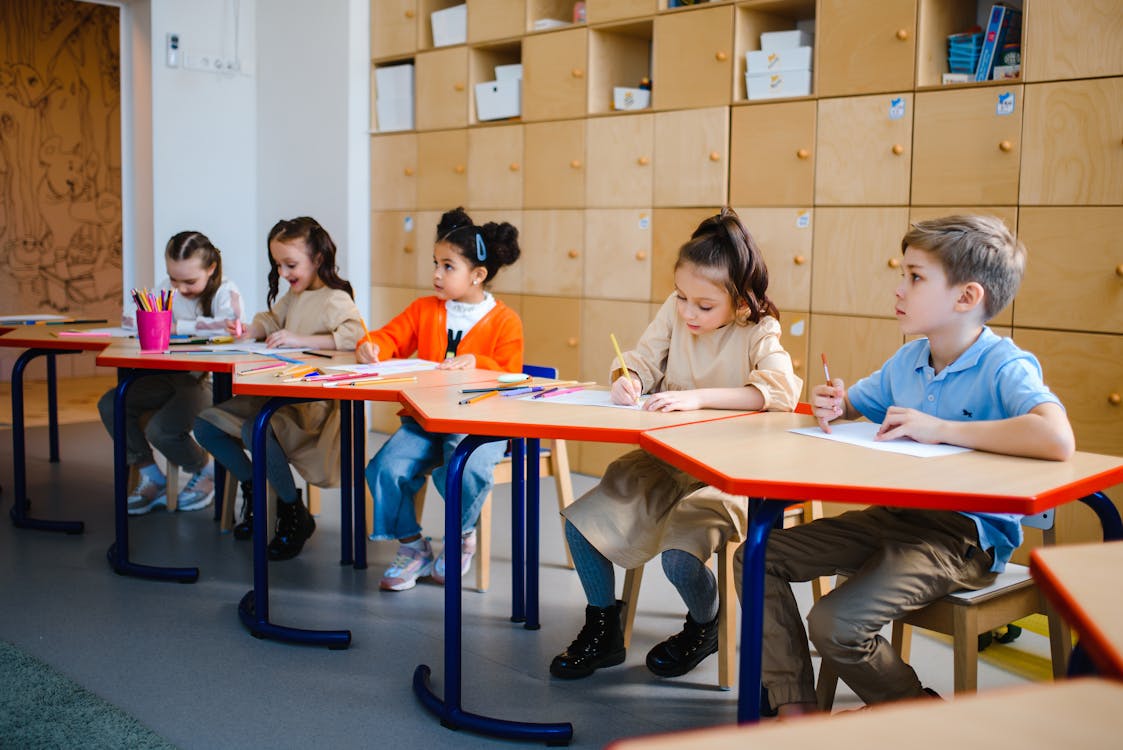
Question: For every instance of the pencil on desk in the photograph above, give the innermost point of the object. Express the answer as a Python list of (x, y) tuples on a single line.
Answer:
[(546, 392), (263, 368), (372, 381), (620, 356), (480, 397), (311, 353)]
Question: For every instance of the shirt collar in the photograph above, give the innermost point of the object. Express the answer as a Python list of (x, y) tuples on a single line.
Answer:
[(964, 361)]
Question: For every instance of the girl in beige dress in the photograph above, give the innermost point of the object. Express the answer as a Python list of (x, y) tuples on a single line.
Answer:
[(317, 312), (715, 344)]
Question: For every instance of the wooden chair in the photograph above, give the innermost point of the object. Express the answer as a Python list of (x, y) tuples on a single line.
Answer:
[(965, 615)]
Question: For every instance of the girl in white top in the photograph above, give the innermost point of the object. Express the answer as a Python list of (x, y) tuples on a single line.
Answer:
[(202, 304)]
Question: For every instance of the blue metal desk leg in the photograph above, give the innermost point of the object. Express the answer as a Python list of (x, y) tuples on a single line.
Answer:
[(358, 463), (253, 610), (752, 609), (18, 513), (448, 709), (518, 530), (1108, 514), (532, 515), (118, 552), (222, 390), (345, 477), (52, 408)]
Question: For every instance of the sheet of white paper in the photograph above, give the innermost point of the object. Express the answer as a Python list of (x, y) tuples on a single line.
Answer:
[(862, 434), (17, 319), (588, 397), (118, 331), (245, 347), (389, 367)]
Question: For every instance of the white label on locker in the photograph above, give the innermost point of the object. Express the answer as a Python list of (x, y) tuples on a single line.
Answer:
[(1005, 104), (644, 221), (803, 220), (797, 328), (896, 108), (407, 225)]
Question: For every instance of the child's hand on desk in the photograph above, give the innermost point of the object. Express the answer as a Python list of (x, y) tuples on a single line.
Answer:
[(463, 362), (910, 423), (827, 402), (284, 338), (626, 390), (673, 401), (367, 353)]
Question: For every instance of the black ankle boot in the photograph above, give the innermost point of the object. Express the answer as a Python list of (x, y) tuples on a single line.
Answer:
[(244, 529), (684, 651), (294, 526), (599, 644)]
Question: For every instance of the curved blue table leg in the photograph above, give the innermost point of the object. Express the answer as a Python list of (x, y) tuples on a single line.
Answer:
[(448, 709), (118, 552), (52, 409), (533, 512), (358, 464), (18, 513), (518, 530), (253, 609), (222, 390), (752, 608), (345, 476), (1108, 515)]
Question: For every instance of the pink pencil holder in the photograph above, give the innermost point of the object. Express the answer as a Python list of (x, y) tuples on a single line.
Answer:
[(154, 329)]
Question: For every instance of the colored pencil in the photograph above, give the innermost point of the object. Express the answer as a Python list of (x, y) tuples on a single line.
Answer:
[(480, 397)]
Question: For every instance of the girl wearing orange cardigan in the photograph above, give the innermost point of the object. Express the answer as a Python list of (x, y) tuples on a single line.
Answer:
[(461, 326)]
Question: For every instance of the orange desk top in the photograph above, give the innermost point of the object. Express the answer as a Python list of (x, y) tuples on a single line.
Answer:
[(1082, 582), (1073, 713), (269, 384), (438, 411), (47, 337), (757, 456)]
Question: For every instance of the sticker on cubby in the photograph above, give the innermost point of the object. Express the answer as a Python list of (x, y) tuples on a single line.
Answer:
[(1005, 104), (896, 108), (803, 220), (644, 221), (407, 224), (797, 327)]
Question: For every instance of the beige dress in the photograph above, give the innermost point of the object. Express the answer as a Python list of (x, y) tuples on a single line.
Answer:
[(643, 505), (308, 433)]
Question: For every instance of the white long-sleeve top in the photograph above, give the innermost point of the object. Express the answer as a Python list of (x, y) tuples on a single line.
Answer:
[(188, 313)]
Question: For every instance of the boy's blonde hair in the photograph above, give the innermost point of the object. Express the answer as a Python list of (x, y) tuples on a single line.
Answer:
[(973, 248)]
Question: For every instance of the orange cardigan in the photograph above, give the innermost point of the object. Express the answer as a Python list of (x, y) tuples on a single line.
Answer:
[(496, 340)]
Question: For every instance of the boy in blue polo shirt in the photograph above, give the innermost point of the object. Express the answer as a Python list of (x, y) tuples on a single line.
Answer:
[(960, 384)]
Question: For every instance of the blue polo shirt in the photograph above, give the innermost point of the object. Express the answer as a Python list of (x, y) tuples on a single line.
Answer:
[(993, 379)]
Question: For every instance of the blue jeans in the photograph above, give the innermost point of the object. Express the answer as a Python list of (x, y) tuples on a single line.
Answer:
[(231, 453), (398, 470)]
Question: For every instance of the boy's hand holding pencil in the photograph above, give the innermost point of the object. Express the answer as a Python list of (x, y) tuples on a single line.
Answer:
[(828, 399)]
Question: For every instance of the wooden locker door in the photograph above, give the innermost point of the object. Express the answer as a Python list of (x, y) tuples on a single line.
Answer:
[(425, 228), (393, 171), (784, 238), (553, 259), (620, 172), (393, 27), (864, 46), (693, 59), (670, 229), (618, 253), (555, 81), (442, 178), (1073, 40), (442, 89), (855, 347), (393, 248), (555, 164), (495, 19), (552, 329), (692, 157), (772, 160), (864, 150), (857, 255), (599, 11), (495, 171)]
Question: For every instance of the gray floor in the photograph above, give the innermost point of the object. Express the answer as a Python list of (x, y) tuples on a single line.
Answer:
[(176, 657)]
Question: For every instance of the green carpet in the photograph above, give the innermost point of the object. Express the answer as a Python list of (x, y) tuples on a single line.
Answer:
[(40, 708)]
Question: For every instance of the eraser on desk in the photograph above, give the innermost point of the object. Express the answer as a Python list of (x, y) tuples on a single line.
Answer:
[(513, 377)]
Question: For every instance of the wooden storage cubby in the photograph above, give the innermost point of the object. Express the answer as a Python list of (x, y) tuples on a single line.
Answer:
[(481, 67), (602, 11), (756, 17), (936, 19), (374, 124), (425, 9), (495, 19), (619, 55), (557, 10)]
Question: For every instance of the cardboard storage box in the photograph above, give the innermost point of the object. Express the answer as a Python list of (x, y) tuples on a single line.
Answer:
[(497, 100), (450, 26), (764, 61), (775, 85)]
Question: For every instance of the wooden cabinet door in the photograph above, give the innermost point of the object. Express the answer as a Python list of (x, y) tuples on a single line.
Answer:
[(552, 330), (600, 317), (693, 59), (620, 151), (442, 89), (864, 150), (599, 11), (393, 248), (692, 157), (555, 164), (618, 254), (495, 171), (495, 19), (795, 338), (442, 174), (855, 347), (425, 227), (553, 252), (966, 146), (670, 229), (393, 27), (1075, 39), (865, 46), (555, 82), (772, 155), (1074, 269), (393, 171), (857, 260), (1072, 151), (784, 238)]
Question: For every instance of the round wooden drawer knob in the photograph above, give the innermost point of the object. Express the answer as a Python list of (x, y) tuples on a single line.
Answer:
[(1115, 399), (459, 169), (575, 164), (1119, 270), (408, 171), (643, 161), (409, 13), (573, 253), (1005, 146), (721, 56), (894, 263), (903, 34), (898, 149), (458, 86), (408, 249), (514, 166), (715, 156), (571, 342), (577, 73), (799, 260), (641, 255), (803, 153)]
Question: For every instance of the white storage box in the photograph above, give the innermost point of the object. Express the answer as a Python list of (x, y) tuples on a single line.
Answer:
[(762, 61), (775, 40), (508, 72), (497, 100), (394, 81), (628, 98), (450, 26), (394, 113), (775, 85)]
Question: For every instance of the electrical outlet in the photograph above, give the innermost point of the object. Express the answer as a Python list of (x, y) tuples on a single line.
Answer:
[(210, 63), (172, 49)]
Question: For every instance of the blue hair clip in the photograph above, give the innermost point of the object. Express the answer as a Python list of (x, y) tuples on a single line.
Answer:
[(481, 248)]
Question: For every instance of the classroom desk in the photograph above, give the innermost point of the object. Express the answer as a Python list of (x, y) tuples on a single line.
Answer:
[(500, 419), (1075, 713), (758, 457), (1080, 581), (40, 340), (131, 365), (253, 609)]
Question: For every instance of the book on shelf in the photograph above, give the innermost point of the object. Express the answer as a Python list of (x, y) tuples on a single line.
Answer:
[(1004, 28)]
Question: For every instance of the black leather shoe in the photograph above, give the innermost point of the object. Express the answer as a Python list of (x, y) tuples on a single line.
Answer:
[(294, 527), (599, 644), (684, 651), (244, 529)]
